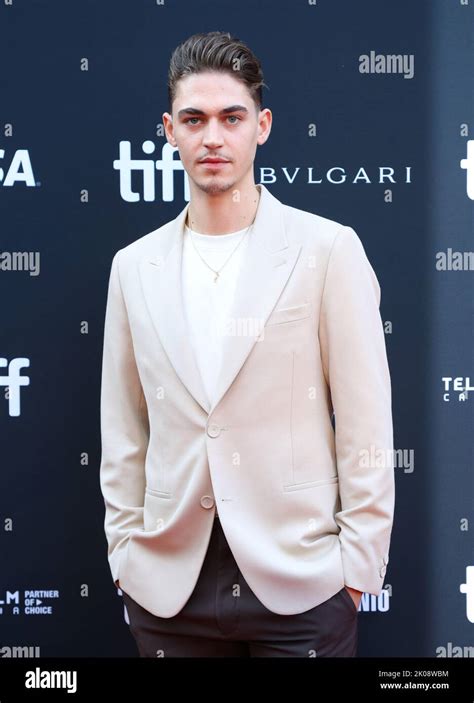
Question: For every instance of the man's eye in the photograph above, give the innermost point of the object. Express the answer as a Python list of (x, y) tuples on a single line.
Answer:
[(229, 117)]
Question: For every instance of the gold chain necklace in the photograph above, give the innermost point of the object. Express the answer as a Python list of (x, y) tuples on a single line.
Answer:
[(216, 276)]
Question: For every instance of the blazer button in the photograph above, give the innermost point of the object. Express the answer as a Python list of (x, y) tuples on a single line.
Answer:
[(207, 502), (213, 430)]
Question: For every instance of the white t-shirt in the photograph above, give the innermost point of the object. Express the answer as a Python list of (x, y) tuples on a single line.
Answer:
[(206, 303)]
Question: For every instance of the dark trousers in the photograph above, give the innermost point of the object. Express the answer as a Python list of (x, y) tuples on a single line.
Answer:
[(223, 618)]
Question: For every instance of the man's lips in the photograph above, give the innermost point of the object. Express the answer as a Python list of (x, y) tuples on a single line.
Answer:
[(213, 161)]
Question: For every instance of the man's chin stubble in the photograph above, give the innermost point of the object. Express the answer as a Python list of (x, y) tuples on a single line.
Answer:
[(214, 187)]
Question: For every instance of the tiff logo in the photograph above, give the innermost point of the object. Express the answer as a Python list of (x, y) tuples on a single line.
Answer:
[(468, 165), (13, 381), (468, 589), (125, 165)]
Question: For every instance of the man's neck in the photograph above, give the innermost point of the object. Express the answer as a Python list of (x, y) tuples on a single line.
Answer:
[(220, 214)]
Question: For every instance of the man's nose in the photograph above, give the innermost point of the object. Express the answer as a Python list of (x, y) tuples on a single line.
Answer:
[(212, 136)]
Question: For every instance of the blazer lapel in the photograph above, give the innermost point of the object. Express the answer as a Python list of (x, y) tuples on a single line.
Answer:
[(161, 284), (266, 267)]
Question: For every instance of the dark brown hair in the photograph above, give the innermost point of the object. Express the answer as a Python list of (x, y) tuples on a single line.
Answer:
[(216, 51)]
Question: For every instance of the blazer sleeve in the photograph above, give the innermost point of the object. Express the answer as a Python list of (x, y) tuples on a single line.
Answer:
[(124, 427), (355, 366)]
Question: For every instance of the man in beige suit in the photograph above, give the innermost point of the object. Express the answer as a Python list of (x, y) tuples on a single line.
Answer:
[(245, 395)]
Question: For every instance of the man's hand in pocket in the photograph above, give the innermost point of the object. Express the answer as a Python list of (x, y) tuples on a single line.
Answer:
[(355, 595)]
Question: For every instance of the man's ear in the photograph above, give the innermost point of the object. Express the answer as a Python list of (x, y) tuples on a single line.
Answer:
[(168, 125), (265, 125)]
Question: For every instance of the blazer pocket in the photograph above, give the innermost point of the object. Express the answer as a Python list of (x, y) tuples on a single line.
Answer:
[(295, 312), (310, 484)]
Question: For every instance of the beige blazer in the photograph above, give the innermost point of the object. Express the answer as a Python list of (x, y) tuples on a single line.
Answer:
[(305, 509)]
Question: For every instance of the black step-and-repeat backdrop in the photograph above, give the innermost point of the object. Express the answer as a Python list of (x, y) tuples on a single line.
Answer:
[(373, 127)]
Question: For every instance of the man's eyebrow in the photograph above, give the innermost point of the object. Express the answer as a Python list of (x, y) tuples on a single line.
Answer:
[(225, 111)]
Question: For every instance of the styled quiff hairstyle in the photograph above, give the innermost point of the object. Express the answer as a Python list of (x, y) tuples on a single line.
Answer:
[(216, 51)]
